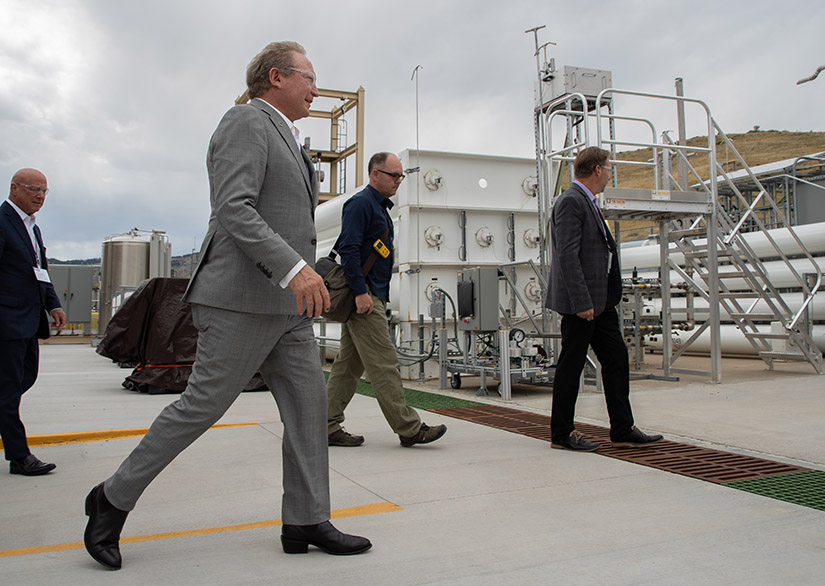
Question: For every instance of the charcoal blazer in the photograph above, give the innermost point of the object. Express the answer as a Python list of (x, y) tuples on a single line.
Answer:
[(24, 301), (579, 277), (263, 192)]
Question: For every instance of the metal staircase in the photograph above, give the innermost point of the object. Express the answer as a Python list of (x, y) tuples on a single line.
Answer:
[(745, 292), (729, 274)]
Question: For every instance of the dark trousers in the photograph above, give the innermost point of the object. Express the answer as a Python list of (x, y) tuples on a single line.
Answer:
[(604, 335), (18, 370)]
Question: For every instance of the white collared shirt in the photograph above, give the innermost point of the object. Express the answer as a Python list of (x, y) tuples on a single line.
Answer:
[(28, 222), (296, 134), (595, 205), (587, 191)]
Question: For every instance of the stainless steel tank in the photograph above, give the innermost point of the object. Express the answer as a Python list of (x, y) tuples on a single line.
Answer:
[(125, 263)]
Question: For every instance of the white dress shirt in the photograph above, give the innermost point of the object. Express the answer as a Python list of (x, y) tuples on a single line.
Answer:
[(296, 134), (28, 222)]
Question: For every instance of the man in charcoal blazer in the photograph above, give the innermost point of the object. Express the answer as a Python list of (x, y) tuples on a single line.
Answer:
[(253, 298), (26, 295), (585, 287)]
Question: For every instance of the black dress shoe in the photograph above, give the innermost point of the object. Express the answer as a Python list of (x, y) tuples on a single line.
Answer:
[(575, 442), (635, 439), (297, 538), (30, 466), (102, 536)]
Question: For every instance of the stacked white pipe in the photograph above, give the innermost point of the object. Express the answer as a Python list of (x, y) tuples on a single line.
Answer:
[(645, 260)]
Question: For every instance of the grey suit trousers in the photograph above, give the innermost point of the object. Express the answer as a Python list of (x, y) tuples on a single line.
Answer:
[(232, 347)]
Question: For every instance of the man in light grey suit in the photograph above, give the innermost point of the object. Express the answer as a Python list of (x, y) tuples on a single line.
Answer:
[(253, 298)]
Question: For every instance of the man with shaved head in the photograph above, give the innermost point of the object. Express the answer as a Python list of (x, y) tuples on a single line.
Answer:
[(366, 231), (27, 298)]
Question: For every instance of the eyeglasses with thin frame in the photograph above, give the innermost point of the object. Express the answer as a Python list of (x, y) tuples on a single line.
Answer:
[(311, 78), (33, 188), (395, 176), (607, 168)]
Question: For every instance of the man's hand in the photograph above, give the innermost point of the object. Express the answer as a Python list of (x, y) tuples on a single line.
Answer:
[(586, 315), (59, 317), (311, 295), (363, 303)]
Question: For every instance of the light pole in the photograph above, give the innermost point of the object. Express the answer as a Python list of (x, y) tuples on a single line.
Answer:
[(812, 77)]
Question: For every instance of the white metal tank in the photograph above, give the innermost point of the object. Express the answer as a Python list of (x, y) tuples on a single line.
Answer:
[(459, 210)]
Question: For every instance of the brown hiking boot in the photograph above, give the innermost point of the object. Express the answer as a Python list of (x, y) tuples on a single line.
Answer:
[(425, 435), (342, 437)]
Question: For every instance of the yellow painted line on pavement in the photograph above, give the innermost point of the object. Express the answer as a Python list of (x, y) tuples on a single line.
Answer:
[(77, 437), (373, 509)]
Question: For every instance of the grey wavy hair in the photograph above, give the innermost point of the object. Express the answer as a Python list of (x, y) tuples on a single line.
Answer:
[(278, 55)]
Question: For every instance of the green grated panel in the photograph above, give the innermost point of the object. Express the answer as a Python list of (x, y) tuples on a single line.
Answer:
[(417, 399), (801, 488)]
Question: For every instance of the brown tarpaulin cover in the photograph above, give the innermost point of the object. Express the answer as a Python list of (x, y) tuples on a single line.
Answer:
[(153, 330)]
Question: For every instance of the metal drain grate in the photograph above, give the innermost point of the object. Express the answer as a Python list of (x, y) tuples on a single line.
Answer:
[(693, 461), (803, 488), (784, 482)]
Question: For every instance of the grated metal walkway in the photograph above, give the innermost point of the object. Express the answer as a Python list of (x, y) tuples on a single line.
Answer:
[(785, 482)]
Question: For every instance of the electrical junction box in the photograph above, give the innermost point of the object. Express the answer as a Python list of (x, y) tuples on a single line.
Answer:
[(574, 80), (478, 299), (73, 285)]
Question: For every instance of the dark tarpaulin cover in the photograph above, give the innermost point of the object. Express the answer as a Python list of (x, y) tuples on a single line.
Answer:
[(153, 330)]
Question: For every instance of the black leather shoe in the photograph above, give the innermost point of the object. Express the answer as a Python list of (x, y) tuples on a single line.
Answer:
[(102, 536), (576, 443), (635, 439), (297, 538), (30, 466)]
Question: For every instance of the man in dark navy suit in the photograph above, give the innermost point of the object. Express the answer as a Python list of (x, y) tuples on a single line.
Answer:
[(27, 297), (585, 287)]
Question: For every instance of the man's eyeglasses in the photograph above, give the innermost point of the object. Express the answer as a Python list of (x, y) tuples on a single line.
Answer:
[(33, 188), (395, 176), (308, 75), (607, 168)]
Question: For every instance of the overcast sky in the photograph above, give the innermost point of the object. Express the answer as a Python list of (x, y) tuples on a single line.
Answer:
[(115, 101)]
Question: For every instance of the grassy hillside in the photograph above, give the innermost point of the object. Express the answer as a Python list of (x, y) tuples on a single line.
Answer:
[(756, 147)]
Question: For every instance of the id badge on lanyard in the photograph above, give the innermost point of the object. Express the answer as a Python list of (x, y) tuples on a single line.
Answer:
[(42, 275)]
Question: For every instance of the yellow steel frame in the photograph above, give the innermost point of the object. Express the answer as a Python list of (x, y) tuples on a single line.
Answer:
[(332, 157)]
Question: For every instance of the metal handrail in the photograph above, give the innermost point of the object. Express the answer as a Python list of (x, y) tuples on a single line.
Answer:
[(736, 230), (808, 297), (679, 151)]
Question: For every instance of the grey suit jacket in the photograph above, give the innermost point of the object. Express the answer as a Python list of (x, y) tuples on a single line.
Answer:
[(263, 193), (578, 272)]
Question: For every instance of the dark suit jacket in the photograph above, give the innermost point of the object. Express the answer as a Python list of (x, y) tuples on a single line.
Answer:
[(578, 272), (24, 301), (263, 192), (365, 219)]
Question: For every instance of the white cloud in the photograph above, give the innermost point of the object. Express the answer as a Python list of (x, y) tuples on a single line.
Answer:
[(116, 101)]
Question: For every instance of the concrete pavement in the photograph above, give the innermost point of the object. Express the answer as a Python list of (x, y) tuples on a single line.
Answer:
[(481, 506)]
